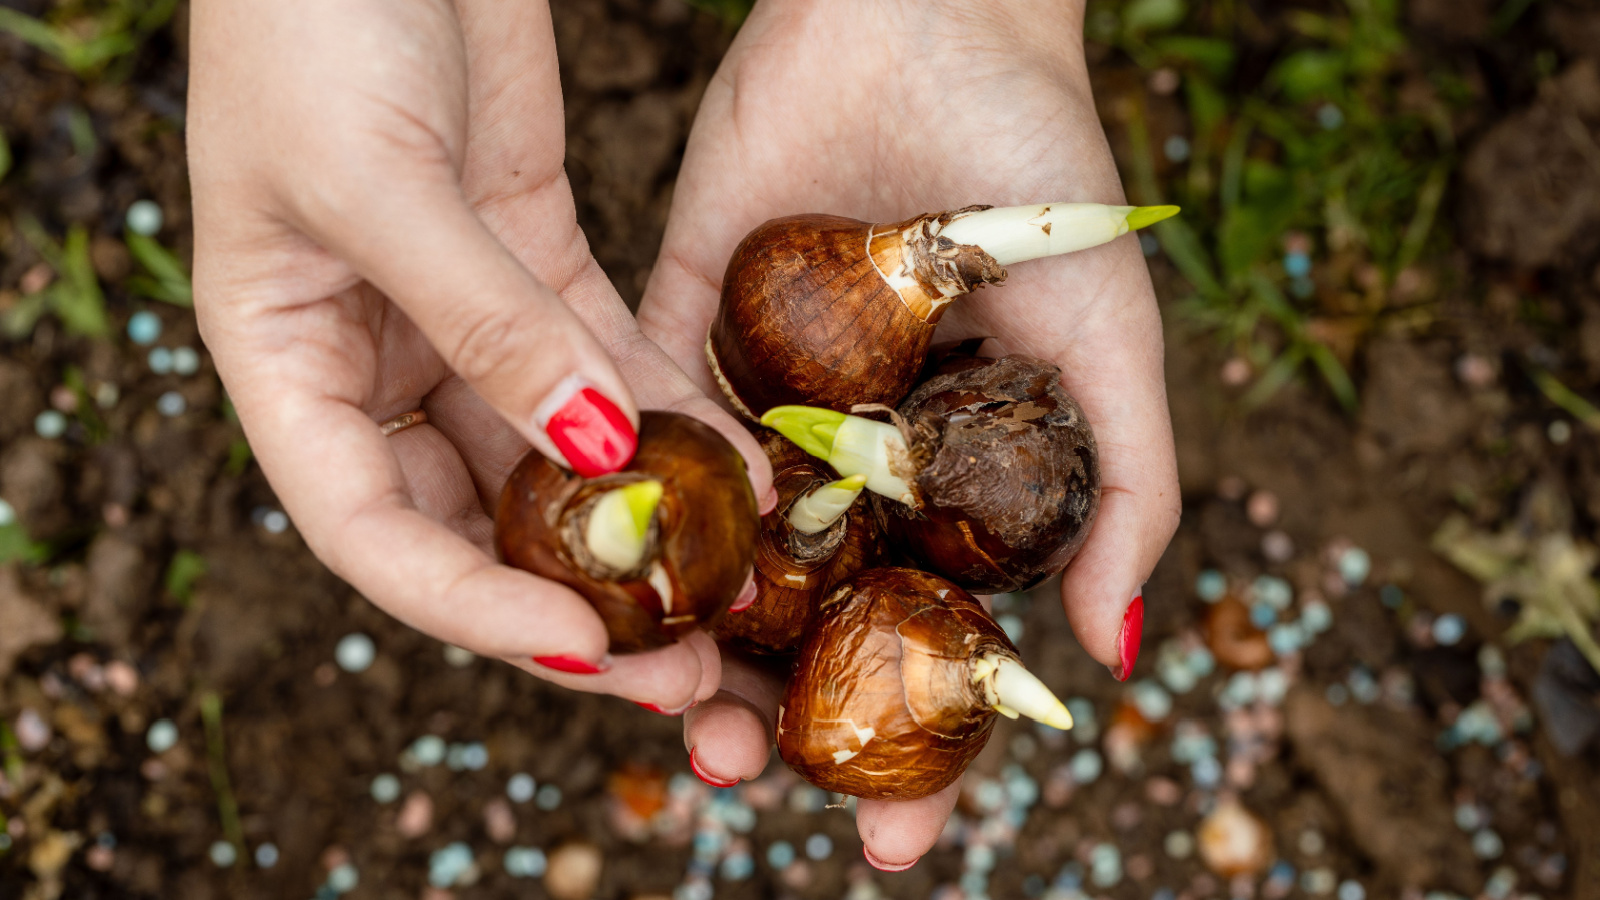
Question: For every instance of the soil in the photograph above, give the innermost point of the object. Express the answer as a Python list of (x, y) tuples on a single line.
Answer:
[(102, 642)]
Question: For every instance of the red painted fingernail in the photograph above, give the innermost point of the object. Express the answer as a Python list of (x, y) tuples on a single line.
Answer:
[(882, 866), (666, 712), (588, 429), (1128, 639), (571, 665), (770, 501), (747, 597), (701, 774)]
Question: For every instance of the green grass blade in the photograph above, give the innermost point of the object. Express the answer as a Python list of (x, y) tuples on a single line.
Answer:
[(1333, 372), (171, 282), (1280, 373), (33, 31), (1566, 398), (76, 299)]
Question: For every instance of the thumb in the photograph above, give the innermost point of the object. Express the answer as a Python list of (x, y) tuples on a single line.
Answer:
[(503, 331)]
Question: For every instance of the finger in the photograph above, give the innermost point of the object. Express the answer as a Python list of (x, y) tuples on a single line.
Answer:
[(497, 326), (895, 834), (489, 447), (729, 736), (666, 681), (347, 490), (1112, 363)]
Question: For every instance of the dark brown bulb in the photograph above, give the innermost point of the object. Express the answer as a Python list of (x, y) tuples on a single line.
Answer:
[(896, 688), (795, 570), (1007, 474), (701, 537), (828, 311)]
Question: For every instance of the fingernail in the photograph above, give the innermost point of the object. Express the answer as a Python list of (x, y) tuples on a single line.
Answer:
[(746, 597), (573, 665), (770, 501), (701, 773), (882, 866), (588, 429), (667, 712), (1128, 639)]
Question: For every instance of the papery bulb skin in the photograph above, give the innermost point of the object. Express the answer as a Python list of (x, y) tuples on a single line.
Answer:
[(832, 312), (700, 541), (1008, 474), (794, 570), (828, 311), (883, 703)]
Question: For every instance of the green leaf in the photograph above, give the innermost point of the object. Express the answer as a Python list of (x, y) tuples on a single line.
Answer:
[(1309, 74), (1249, 232), (1208, 106), (731, 12), (1280, 373), (1333, 373), (76, 298), (1214, 55), (183, 571), (1141, 16), (16, 546), (5, 155), (170, 280), (1183, 247), (32, 31)]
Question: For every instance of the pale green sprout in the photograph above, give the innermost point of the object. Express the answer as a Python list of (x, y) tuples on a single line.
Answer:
[(619, 524)]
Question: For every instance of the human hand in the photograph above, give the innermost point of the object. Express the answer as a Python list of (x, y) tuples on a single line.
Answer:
[(879, 112), (383, 224)]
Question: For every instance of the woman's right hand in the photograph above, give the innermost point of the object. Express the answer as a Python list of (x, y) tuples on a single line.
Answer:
[(383, 224)]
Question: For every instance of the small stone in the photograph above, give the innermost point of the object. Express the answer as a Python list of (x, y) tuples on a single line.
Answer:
[(106, 395), (160, 360), (344, 878), (1206, 772), (1277, 546), (144, 217), (32, 732), (50, 424), (547, 798), (1086, 766), (450, 865), (1312, 843), (1448, 630), (1330, 117), (1486, 844), (64, 399), (1351, 890), (525, 862), (355, 652), (385, 788), (1233, 841), (428, 750), (1354, 566), (267, 856), (520, 787), (144, 328), (1178, 844), (1273, 591), (1152, 700), (780, 854), (416, 815), (122, 678), (499, 822), (457, 657), (474, 756), (1176, 148), (8, 514), (161, 736), (1285, 639), (1163, 791), (573, 871), (1262, 508), (1235, 372), (1318, 882), (1475, 371), (1211, 585), (223, 854), (172, 404), (185, 361), (36, 278)]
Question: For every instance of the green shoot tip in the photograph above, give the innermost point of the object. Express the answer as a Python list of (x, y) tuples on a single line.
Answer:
[(1144, 216)]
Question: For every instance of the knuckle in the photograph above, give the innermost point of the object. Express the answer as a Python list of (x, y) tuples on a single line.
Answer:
[(491, 342)]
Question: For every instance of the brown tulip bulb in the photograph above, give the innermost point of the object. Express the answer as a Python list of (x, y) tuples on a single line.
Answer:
[(991, 478), (833, 312), (897, 685), (821, 532), (659, 548)]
